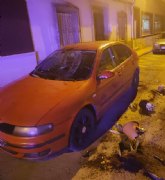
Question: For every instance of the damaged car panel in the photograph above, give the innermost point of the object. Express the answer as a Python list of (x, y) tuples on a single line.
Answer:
[(58, 104)]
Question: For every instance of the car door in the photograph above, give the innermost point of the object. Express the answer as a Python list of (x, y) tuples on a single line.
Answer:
[(106, 89), (125, 68)]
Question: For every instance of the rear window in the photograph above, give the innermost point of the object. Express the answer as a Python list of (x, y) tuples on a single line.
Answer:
[(122, 52)]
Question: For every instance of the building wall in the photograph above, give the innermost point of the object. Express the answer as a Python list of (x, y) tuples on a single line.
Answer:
[(45, 39), (45, 34), (15, 31), (15, 66), (153, 6), (111, 8), (44, 25)]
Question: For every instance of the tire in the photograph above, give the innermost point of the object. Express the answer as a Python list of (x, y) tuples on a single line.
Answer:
[(135, 83), (82, 130), (154, 52)]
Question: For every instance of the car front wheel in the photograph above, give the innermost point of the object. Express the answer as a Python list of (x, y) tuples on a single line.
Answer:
[(82, 130)]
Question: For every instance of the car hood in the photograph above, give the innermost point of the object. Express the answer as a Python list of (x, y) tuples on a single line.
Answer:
[(24, 102)]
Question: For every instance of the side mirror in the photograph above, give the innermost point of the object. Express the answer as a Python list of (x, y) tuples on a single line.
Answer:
[(105, 75)]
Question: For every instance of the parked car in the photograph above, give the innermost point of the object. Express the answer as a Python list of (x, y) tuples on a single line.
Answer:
[(58, 104), (159, 46)]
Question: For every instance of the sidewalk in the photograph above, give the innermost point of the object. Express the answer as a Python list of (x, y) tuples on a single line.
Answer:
[(143, 51)]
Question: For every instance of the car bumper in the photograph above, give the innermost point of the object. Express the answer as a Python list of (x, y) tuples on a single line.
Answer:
[(161, 51), (36, 148)]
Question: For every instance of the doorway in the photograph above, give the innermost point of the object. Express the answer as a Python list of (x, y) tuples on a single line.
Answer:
[(98, 16), (122, 25)]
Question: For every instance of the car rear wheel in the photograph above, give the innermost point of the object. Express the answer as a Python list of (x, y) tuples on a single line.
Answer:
[(82, 130), (135, 83)]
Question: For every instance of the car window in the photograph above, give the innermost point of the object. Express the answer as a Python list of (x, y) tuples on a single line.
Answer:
[(121, 53), (66, 65), (106, 62)]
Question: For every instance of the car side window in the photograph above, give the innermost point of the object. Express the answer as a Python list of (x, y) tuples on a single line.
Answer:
[(106, 62), (121, 53)]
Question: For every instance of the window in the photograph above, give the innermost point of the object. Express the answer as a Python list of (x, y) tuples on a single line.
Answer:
[(121, 53), (106, 62), (68, 24), (136, 25), (15, 35), (147, 24), (157, 23), (98, 16), (122, 25)]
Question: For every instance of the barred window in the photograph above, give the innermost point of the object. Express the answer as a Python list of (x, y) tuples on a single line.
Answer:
[(68, 24), (147, 23), (158, 24)]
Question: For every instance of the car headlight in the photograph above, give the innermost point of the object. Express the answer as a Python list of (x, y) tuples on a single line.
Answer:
[(32, 131)]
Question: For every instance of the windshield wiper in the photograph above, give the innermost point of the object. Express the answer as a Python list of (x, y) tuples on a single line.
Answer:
[(34, 75)]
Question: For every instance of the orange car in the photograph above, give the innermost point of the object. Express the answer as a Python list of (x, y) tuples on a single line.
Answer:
[(58, 104)]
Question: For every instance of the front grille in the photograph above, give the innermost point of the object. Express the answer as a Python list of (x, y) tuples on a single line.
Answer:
[(37, 155), (6, 128)]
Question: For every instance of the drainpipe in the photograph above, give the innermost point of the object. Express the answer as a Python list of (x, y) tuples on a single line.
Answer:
[(132, 19), (133, 3)]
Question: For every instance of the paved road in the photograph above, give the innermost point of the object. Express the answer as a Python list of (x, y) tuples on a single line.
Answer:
[(65, 166), (152, 65)]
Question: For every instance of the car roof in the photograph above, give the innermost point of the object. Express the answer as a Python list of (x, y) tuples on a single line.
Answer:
[(94, 45)]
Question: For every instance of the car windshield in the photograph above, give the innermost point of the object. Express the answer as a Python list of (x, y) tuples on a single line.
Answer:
[(66, 65)]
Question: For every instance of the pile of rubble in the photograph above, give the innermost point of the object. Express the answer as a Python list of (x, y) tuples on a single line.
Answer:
[(125, 148)]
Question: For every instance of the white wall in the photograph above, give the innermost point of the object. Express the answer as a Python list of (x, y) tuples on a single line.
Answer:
[(111, 8), (15, 66), (45, 38), (152, 6), (43, 26), (45, 35)]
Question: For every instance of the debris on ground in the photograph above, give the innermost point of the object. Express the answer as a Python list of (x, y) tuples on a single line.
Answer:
[(146, 107), (88, 152), (130, 136), (161, 89), (148, 162), (133, 107)]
